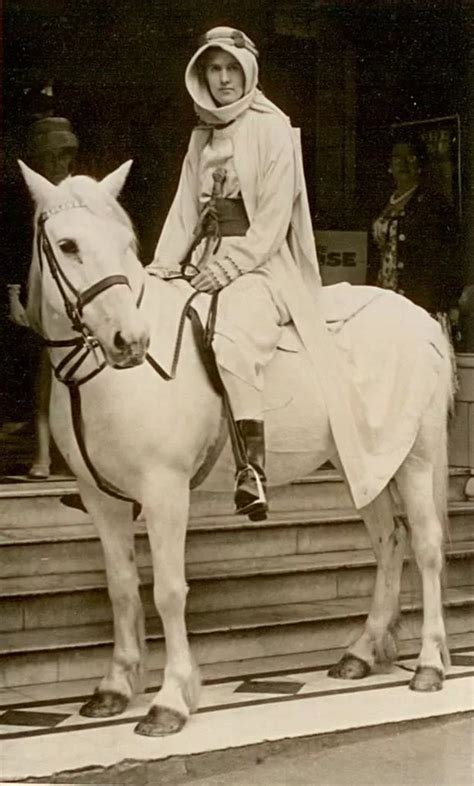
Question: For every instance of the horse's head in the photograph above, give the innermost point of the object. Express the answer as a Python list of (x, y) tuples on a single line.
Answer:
[(87, 269)]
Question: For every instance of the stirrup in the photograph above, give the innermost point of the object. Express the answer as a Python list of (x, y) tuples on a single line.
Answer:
[(253, 501)]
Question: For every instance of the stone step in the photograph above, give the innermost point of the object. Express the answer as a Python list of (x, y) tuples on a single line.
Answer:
[(75, 548), (65, 600), (27, 504), (36, 504), (59, 654)]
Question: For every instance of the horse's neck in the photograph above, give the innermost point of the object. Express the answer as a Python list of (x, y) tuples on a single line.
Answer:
[(161, 297)]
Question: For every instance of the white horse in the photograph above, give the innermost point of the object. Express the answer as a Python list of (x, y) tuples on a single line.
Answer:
[(148, 437)]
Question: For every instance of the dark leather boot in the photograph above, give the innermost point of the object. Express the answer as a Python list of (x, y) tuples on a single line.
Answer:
[(250, 483)]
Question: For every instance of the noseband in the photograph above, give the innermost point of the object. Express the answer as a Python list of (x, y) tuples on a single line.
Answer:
[(74, 308)]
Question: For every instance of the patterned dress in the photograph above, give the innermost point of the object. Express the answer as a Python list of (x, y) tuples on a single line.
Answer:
[(385, 232)]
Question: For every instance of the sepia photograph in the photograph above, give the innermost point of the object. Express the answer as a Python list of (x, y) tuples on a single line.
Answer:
[(237, 393)]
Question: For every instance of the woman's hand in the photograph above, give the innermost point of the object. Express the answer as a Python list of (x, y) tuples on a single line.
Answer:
[(206, 281), (217, 274), (17, 313)]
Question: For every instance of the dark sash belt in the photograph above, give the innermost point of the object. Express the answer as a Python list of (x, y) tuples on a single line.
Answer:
[(231, 216)]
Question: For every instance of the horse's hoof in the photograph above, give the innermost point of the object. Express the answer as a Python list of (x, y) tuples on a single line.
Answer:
[(104, 704), (160, 722), (350, 667), (427, 679)]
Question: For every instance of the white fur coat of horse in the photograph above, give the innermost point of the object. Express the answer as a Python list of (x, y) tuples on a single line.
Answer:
[(148, 436)]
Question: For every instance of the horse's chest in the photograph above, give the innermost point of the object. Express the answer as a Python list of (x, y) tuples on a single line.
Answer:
[(132, 424)]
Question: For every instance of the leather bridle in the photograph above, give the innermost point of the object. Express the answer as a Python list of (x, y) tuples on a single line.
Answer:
[(81, 346), (74, 308)]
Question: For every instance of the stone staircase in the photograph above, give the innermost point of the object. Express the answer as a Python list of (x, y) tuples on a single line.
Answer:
[(298, 583)]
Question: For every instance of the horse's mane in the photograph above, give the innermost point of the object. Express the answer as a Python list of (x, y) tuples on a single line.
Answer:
[(79, 188)]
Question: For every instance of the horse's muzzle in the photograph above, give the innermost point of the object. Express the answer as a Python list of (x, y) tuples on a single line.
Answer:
[(127, 354), (130, 363)]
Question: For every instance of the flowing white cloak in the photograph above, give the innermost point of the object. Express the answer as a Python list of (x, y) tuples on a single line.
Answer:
[(268, 163)]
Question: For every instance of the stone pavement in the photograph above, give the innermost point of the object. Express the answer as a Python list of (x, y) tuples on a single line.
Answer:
[(300, 724), (440, 754)]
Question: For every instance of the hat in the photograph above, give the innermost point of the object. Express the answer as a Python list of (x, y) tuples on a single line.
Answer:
[(51, 133), (229, 36)]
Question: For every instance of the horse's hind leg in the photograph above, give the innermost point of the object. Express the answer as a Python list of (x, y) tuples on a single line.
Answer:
[(415, 481), (113, 520), (166, 508), (377, 641)]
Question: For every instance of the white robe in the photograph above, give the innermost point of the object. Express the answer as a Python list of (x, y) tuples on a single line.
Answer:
[(268, 163)]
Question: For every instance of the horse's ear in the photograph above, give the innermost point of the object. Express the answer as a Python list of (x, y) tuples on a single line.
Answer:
[(40, 188), (114, 182)]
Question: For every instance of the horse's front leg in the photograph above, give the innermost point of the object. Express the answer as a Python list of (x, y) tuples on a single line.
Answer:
[(113, 519), (166, 508), (377, 641)]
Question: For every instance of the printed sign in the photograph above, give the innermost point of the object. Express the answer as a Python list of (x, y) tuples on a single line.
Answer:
[(342, 256)]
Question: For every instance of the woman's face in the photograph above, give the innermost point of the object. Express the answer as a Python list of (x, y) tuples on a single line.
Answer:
[(225, 78), (405, 165)]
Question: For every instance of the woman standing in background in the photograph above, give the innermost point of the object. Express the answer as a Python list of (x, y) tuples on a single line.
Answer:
[(416, 237)]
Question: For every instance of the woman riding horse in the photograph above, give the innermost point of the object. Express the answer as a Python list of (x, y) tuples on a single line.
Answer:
[(263, 260), (130, 433)]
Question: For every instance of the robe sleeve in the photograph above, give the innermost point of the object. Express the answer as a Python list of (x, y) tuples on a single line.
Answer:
[(274, 204), (177, 234)]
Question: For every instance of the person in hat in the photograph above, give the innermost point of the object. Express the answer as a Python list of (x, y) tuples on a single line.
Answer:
[(51, 149), (242, 180)]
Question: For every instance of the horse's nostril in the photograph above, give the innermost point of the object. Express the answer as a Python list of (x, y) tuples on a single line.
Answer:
[(119, 342)]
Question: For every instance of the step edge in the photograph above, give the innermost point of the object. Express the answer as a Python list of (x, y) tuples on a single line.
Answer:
[(294, 518), (406, 607), (466, 551), (29, 490)]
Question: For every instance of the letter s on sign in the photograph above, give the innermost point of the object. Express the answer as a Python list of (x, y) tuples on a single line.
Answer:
[(334, 258)]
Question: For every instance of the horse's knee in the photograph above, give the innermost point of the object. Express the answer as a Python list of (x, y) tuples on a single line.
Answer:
[(170, 596), (125, 597), (430, 557), (428, 548)]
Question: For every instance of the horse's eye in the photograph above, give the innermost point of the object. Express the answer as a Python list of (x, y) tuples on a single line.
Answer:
[(68, 247)]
